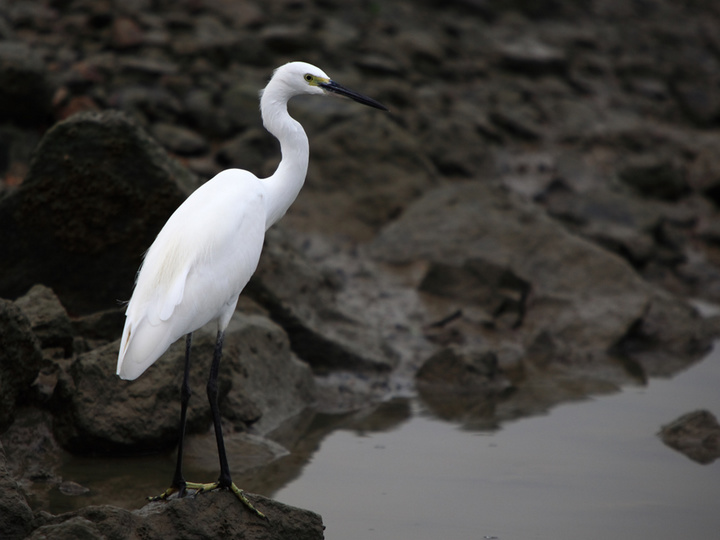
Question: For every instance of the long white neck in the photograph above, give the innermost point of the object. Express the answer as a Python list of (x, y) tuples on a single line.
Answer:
[(283, 186)]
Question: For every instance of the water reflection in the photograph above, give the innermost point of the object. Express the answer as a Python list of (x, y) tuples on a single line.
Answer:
[(540, 468)]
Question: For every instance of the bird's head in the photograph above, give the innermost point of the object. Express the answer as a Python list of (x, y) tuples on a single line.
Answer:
[(298, 78)]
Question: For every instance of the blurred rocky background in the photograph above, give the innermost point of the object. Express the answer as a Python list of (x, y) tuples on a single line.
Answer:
[(536, 220)]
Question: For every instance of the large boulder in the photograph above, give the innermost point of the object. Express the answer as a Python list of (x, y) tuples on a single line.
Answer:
[(212, 515), (97, 192), (571, 302), (301, 298), (261, 384)]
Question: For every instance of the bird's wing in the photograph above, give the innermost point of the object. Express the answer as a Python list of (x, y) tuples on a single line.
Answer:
[(195, 269)]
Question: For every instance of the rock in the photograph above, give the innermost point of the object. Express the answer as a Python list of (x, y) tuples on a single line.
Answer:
[(300, 298), (655, 178), (49, 320), (624, 224), (530, 56), (239, 105), (125, 33), (20, 359), (15, 514), (260, 383), (704, 174), (462, 370), (699, 100), (583, 296), (179, 140), (285, 39), (669, 336), (33, 456), (496, 288), (354, 195), (98, 191), (248, 151), (25, 94), (695, 434), (212, 515)]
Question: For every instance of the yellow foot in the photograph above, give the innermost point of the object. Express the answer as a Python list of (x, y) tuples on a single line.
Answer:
[(239, 493), (165, 494)]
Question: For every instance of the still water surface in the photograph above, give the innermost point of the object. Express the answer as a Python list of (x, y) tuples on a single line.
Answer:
[(587, 470)]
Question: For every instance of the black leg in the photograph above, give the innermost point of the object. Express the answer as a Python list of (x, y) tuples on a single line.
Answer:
[(185, 393), (224, 480), (212, 391), (179, 485)]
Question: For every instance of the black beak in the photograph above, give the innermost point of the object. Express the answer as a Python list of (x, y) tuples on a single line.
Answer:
[(335, 88)]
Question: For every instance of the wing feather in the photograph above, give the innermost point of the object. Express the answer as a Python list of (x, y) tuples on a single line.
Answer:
[(196, 268)]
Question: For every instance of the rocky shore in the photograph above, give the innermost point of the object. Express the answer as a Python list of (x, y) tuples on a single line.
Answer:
[(536, 220)]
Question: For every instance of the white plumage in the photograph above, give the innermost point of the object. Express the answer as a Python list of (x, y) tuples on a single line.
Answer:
[(195, 270), (209, 248)]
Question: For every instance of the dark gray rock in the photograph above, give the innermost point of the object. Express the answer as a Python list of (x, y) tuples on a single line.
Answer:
[(529, 56), (583, 296), (181, 141), (15, 514), (20, 359), (695, 434), (212, 515), (49, 320), (98, 191), (24, 88), (654, 177), (471, 370), (260, 384), (301, 299)]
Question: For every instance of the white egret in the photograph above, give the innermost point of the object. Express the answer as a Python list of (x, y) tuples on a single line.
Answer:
[(207, 251)]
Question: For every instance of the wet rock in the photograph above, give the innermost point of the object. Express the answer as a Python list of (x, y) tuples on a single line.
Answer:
[(125, 33), (530, 56), (98, 191), (695, 434), (182, 141), (240, 105), (285, 39), (463, 384), (15, 515), (49, 320), (584, 297), (704, 173), (260, 384), (669, 336), (495, 288), (33, 455), (356, 195), (655, 178), (463, 370), (248, 151), (20, 359), (24, 89), (301, 299), (699, 100), (624, 224), (212, 515)]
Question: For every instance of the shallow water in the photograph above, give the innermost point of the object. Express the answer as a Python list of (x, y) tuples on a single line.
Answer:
[(587, 470), (592, 469)]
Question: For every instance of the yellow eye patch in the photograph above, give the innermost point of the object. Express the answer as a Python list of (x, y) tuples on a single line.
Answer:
[(312, 80)]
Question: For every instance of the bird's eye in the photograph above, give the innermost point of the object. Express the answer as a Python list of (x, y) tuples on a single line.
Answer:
[(308, 77)]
